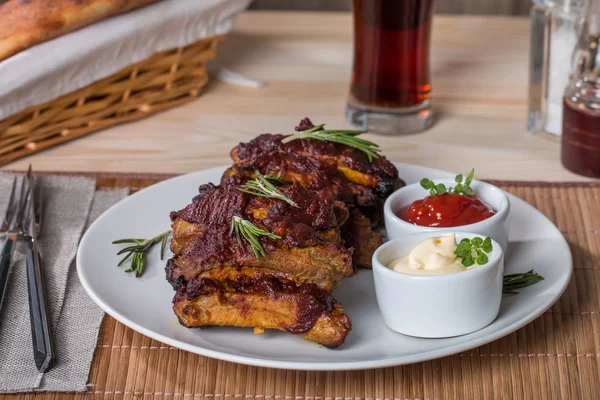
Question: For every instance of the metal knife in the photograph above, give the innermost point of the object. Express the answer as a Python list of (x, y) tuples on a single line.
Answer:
[(38, 309)]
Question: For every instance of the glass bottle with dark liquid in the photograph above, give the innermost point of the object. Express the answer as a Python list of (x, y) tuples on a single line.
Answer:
[(581, 112), (390, 85), (581, 139)]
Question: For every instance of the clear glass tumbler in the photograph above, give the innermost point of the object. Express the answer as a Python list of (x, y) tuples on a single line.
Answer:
[(554, 30), (391, 86)]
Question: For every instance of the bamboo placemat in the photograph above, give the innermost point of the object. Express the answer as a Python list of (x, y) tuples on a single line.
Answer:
[(557, 356)]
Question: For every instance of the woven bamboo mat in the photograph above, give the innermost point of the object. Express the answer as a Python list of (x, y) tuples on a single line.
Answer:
[(556, 357)]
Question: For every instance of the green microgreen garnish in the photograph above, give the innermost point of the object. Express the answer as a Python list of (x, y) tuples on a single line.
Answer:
[(246, 229), (262, 186), (474, 250), (347, 137), (512, 282), (462, 187), (137, 252)]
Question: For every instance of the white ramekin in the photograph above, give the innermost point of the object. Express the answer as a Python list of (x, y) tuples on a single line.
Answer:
[(436, 306), (495, 227)]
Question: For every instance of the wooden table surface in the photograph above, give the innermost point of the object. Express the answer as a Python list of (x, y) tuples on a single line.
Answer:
[(480, 67)]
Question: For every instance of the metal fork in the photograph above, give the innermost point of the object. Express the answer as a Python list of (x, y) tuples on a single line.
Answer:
[(10, 226), (38, 311)]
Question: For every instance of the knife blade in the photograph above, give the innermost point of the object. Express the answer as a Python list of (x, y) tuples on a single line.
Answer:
[(38, 308)]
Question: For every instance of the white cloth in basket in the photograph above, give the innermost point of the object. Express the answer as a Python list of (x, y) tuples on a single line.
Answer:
[(73, 61)]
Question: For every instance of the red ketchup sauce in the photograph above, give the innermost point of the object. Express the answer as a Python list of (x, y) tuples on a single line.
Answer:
[(446, 210)]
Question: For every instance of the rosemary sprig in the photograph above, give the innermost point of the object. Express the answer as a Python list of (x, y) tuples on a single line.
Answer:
[(246, 229), (261, 186), (347, 137), (137, 251), (512, 282)]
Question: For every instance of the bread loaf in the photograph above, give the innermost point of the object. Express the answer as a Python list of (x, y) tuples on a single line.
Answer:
[(25, 23)]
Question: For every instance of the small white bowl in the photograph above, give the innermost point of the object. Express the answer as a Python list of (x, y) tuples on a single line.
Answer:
[(495, 227), (437, 306)]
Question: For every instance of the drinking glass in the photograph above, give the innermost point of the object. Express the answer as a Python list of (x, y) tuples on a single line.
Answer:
[(390, 88), (554, 29)]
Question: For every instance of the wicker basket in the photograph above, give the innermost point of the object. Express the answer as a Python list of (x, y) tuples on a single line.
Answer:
[(162, 81)]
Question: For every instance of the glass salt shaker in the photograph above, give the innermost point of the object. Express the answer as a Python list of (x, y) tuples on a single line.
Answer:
[(581, 111), (554, 30)]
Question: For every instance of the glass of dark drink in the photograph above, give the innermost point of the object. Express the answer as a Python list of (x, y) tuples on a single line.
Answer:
[(391, 85)]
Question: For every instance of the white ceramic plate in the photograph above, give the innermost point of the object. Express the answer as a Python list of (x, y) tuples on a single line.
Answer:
[(144, 304)]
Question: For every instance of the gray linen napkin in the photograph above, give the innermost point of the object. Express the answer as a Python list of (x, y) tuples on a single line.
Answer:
[(67, 204), (74, 348), (68, 201)]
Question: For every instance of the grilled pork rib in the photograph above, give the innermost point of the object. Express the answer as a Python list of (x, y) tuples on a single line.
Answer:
[(359, 235), (339, 195), (219, 282), (265, 302), (309, 250), (361, 184), (319, 164)]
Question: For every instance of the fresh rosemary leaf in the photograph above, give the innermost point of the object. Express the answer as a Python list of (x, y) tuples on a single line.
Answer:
[(315, 128), (124, 259), (342, 136), (261, 186), (243, 228), (163, 245), (127, 241), (137, 252), (128, 249), (274, 178), (512, 282)]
